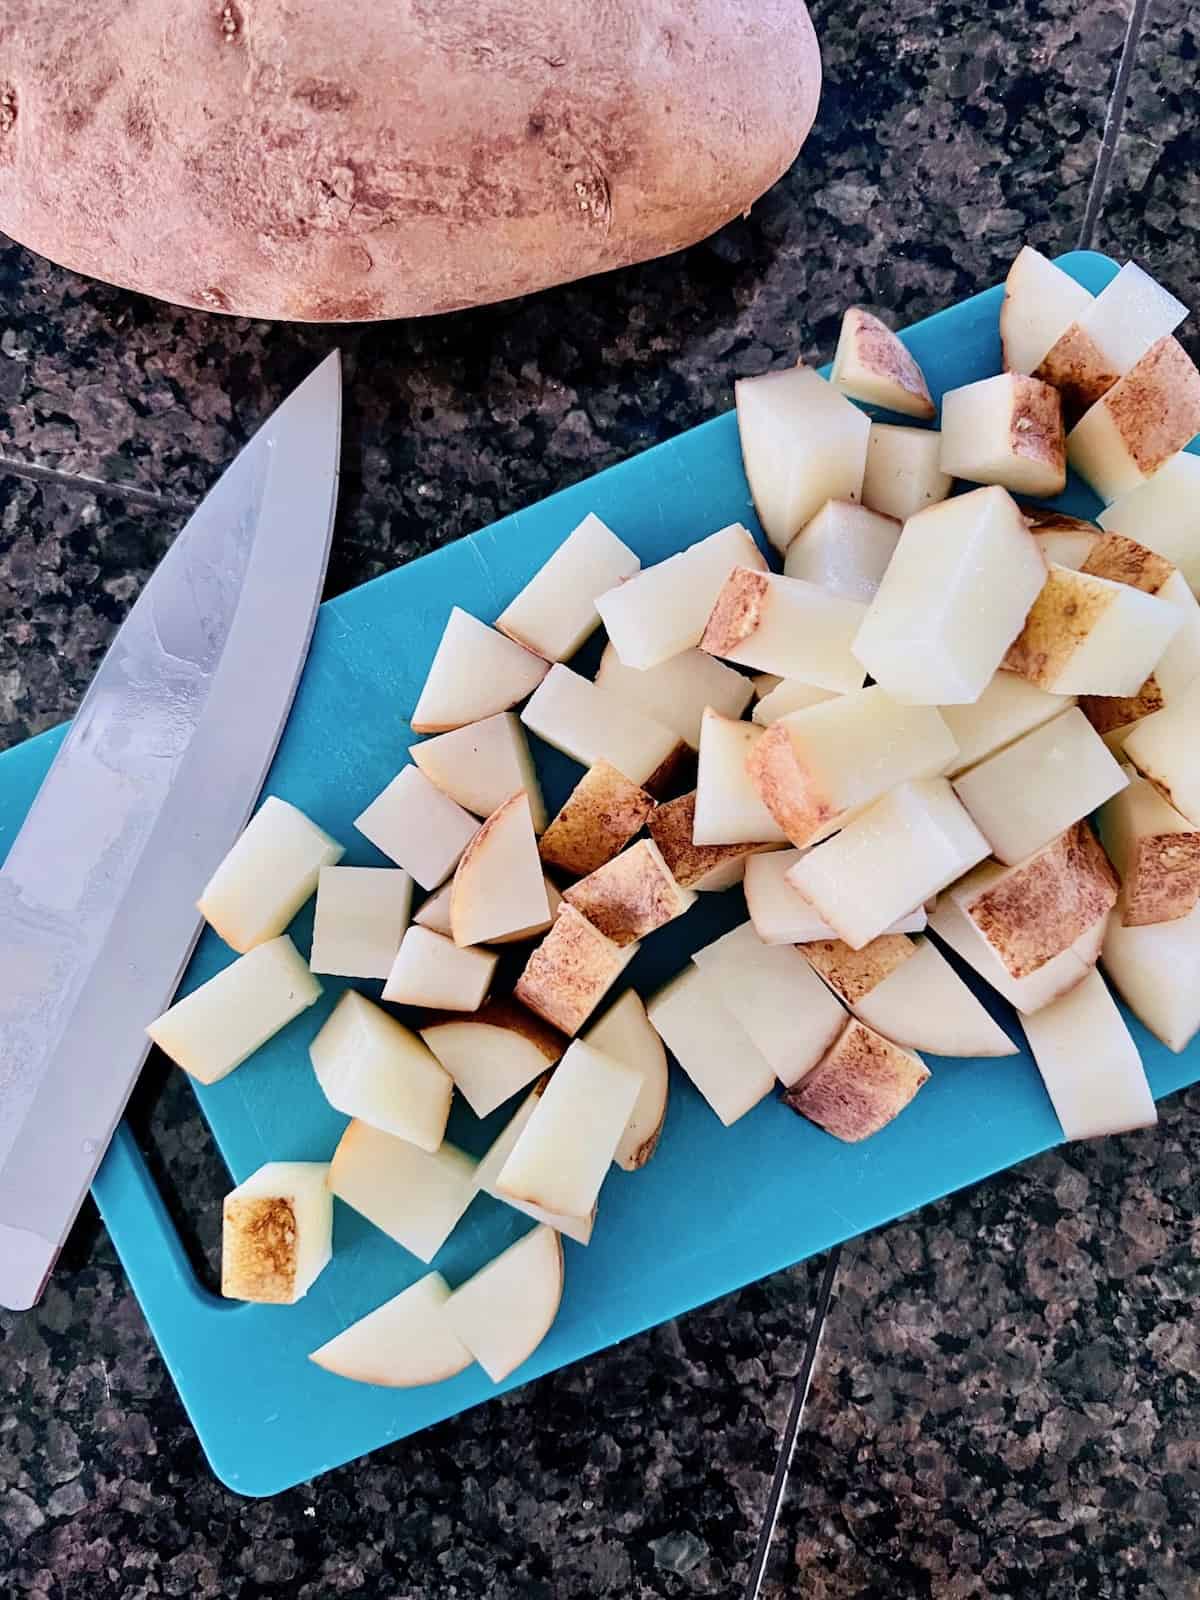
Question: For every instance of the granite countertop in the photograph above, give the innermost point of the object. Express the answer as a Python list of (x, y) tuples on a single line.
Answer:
[(1006, 1399)]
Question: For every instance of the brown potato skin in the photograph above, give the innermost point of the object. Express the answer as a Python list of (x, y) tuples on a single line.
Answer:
[(266, 158)]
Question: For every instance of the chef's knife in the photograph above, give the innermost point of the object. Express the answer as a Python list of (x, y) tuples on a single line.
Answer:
[(158, 774)]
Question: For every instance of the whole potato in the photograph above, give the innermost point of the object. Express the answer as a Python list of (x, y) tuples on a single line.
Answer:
[(324, 161)]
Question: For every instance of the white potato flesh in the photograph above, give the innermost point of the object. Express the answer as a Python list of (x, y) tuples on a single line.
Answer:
[(415, 1196), (1139, 424), (786, 626), (480, 765), (625, 1034), (729, 809), (1129, 315), (894, 857), (1156, 971), (1090, 1064), (676, 692), (1008, 430), (776, 996), (592, 724), (372, 1067), (710, 1044), (845, 550), (499, 888), (924, 1005), (872, 364), (1164, 748), (505, 1311), (954, 598), (518, 935), (419, 827), (215, 1028), (1179, 665), (787, 696), (1066, 546), (267, 876), (781, 914), (434, 914), (475, 673), (1041, 301), (1163, 513), (402, 1344), (494, 1053), (1155, 850), (1033, 790), (556, 610), (662, 611), (904, 471), (431, 970), (571, 970), (490, 1168), (563, 1155), (1007, 709), (1029, 994), (802, 443), (361, 916), (277, 1233)]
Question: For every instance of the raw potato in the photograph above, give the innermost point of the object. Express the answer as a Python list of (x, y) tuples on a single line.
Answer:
[(1139, 424), (802, 443), (480, 765), (781, 914), (784, 625), (215, 1028), (624, 1033), (505, 1311), (729, 808), (1026, 994), (1163, 748), (601, 815), (871, 364), (592, 724), (1156, 971), (435, 914), (706, 867), (1009, 707), (677, 691), (267, 876), (493, 1052), (711, 1046), (904, 471), (1007, 430), (845, 550), (1067, 540), (277, 1235), (571, 971), (361, 916), (490, 1168), (402, 1344), (431, 970), (1163, 513), (861, 1085), (373, 1068), (1090, 1064), (788, 695), (419, 827), (499, 889), (1155, 851), (292, 179), (631, 895), (415, 1196), (476, 672), (556, 610), (1040, 303)]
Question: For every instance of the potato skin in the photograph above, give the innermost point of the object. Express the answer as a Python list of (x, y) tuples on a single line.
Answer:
[(264, 158)]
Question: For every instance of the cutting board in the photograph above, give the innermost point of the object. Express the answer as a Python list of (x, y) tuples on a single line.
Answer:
[(716, 1207)]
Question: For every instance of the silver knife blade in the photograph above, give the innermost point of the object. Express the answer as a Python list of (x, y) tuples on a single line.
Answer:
[(157, 776)]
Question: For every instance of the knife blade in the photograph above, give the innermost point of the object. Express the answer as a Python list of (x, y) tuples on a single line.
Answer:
[(156, 778)]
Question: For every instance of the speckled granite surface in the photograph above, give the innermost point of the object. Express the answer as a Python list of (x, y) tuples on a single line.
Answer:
[(1007, 1402)]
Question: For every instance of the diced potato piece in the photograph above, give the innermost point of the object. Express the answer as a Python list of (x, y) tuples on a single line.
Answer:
[(591, 724), (845, 550), (268, 874), (419, 827), (493, 1052), (277, 1233), (556, 610), (1009, 707), (1164, 748), (415, 1196), (490, 1168), (1179, 665), (871, 364), (1027, 994), (954, 598), (711, 1046), (1040, 303), (773, 992), (1027, 793), (1155, 851), (802, 444), (571, 971), (1163, 512), (564, 1153), (402, 1344), (662, 611), (1151, 413), (862, 1084), (601, 815), (431, 970), (1007, 430), (476, 672), (498, 884), (505, 1311), (631, 895), (899, 852), (904, 471), (1067, 540), (435, 912), (814, 765), (698, 866), (372, 1067), (1090, 1064), (788, 695), (676, 692), (1115, 717), (1156, 971), (729, 808), (781, 914), (362, 913), (480, 765), (787, 626), (534, 929), (625, 1034), (215, 1028)]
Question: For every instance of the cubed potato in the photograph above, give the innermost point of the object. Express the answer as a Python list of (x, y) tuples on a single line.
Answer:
[(698, 866), (403, 1344), (493, 1052), (1164, 748), (900, 851), (863, 1082), (845, 550), (361, 916), (904, 471), (601, 815), (419, 827), (631, 895), (710, 1044), (1114, 717), (1062, 538), (1006, 430), (556, 610), (1163, 512), (431, 970), (814, 765), (1155, 851), (1040, 302), (277, 1235), (592, 724), (1124, 560), (1143, 420), (1009, 707), (1155, 968), (372, 1067), (624, 1033), (1031, 791), (1090, 1064), (873, 365), (480, 765), (571, 971), (417, 1197), (788, 695), (954, 598), (498, 1152), (1029, 994), (267, 876), (729, 808), (802, 443), (662, 611), (676, 692), (508, 1307), (498, 887), (781, 914), (475, 673), (785, 625), (215, 1028)]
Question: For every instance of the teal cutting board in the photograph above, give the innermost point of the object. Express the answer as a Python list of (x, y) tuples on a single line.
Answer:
[(715, 1208)]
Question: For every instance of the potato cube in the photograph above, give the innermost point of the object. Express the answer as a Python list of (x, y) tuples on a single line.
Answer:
[(480, 765), (372, 1067), (710, 1044), (1040, 303), (697, 866), (1155, 969), (592, 724), (845, 550), (1163, 512), (785, 625), (788, 695), (571, 971), (498, 1152), (1090, 1064), (415, 1196), (1156, 853), (729, 808), (904, 471), (677, 691), (1009, 707), (862, 1083), (1007, 430), (631, 895), (781, 914), (1163, 747), (277, 1234), (431, 970), (418, 826), (267, 875), (871, 364), (362, 913), (556, 610), (601, 815), (1151, 413), (1058, 976), (476, 672)]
